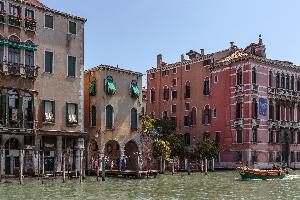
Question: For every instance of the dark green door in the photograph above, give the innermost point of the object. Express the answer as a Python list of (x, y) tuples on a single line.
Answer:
[(7, 165), (49, 164)]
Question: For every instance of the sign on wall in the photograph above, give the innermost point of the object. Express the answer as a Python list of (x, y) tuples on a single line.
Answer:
[(263, 106)]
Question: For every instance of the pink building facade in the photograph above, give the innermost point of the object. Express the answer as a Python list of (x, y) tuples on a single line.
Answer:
[(245, 101)]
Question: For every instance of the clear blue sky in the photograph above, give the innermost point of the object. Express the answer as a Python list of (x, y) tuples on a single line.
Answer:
[(131, 33)]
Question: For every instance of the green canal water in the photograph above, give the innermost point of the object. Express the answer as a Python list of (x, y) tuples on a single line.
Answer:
[(216, 185)]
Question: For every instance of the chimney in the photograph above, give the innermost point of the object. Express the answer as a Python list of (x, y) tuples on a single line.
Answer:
[(182, 57), (159, 60), (231, 44), (202, 52)]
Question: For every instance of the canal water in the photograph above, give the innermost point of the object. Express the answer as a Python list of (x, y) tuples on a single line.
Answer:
[(216, 185)]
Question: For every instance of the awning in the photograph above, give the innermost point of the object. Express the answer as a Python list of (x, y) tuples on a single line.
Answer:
[(111, 88), (18, 45), (135, 90)]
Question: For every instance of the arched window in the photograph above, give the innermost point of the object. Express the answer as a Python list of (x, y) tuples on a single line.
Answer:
[(254, 109), (109, 117), (28, 109), (278, 110), (271, 110), (254, 76), (298, 85), (152, 95), (287, 84), (270, 79), (277, 80), (239, 110), (93, 116), (193, 116), (134, 119), (239, 77), (206, 119), (166, 93), (13, 106), (282, 81), (14, 54), (187, 139), (165, 114), (206, 89), (12, 143), (187, 93), (292, 83), (109, 84)]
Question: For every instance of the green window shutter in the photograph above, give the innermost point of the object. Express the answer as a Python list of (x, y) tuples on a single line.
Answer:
[(21, 112), (43, 111), (92, 88), (111, 88), (135, 90), (53, 110)]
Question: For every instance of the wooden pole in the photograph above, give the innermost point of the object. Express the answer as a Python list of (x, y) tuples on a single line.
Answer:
[(173, 167), (80, 159), (21, 167), (39, 160), (205, 166), (64, 168), (1, 155), (189, 167), (213, 165), (138, 165), (103, 168), (201, 165), (43, 163)]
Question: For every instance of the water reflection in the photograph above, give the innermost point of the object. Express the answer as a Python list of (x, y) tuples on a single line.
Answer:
[(218, 185)]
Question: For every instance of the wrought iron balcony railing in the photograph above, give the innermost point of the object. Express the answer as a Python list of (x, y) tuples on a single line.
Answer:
[(17, 69)]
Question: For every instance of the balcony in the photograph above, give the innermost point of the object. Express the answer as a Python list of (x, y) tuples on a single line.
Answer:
[(254, 87), (14, 20), (239, 88), (238, 123), (272, 90), (16, 69), (255, 122), (2, 16), (30, 24)]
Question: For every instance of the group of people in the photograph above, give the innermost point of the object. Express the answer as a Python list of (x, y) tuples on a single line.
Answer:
[(121, 163)]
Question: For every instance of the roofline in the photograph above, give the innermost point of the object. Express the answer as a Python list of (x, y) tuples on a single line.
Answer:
[(109, 67), (45, 8)]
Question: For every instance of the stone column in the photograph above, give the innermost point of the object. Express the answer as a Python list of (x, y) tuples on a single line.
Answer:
[(36, 156), (248, 157), (58, 154), (2, 157), (80, 145)]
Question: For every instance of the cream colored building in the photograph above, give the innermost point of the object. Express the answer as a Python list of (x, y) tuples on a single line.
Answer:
[(113, 106)]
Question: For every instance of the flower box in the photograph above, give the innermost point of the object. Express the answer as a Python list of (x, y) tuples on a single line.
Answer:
[(30, 24), (14, 20)]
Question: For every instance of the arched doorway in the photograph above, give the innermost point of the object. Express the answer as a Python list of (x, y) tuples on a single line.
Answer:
[(131, 151), (112, 153), (93, 156), (12, 161)]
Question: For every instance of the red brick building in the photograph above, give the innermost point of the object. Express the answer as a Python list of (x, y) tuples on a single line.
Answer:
[(240, 98)]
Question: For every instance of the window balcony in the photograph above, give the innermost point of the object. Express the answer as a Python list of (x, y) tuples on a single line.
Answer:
[(271, 90), (255, 122), (238, 123), (16, 69), (30, 24), (239, 88), (254, 87), (273, 124), (14, 20)]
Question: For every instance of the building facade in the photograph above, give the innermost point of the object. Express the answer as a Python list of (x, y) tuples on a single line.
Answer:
[(41, 55), (245, 101), (113, 106)]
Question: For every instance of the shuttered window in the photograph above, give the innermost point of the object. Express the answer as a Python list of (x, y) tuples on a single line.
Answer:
[(29, 58), (48, 111), (71, 66), (109, 117), (94, 116), (72, 113), (49, 21), (72, 28), (1, 55), (133, 119), (48, 62)]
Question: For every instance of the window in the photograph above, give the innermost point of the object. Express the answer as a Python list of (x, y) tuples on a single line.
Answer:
[(270, 79), (93, 116), (239, 77), (298, 156), (1, 5), (254, 76), (287, 83), (298, 137), (277, 137), (187, 139), (109, 85), (292, 83), (206, 116), (28, 110), (48, 62), (254, 156), (187, 67), (13, 107), (271, 136), (187, 93), (72, 28), (49, 111), (109, 117), (271, 110), (298, 85), (174, 70), (174, 121), (14, 56), (1, 54), (278, 156), (15, 10), (72, 113), (282, 81), (174, 94), (206, 89), (293, 135), (152, 76), (187, 120), (165, 114), (165, 72), (254, 135), (206, 62), (29, 14), (254, 108), (29, 58), (277, 80), (278, 110), (166, 93), (174, 108), (217, 137), (152, 95), (193, 116), (187, 106), (271, 156), (49, 21), (215, 78), (239, 110), (71, 66), (239, 136), (239, 156), (214, 113), (293, 156), (206, 136), (174, 82), (134, 119)]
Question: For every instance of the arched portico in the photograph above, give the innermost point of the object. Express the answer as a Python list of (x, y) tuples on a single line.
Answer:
[(131, 151), (112, 153)]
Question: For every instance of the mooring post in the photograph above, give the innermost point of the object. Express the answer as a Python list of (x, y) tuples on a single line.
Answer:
[(189, 167), (213, 165), (1, 154), (39, 164), (43, 164), (21, 167), (64, 168), (138, 165), (80, 159), (103, 167), (205, 166), (173, 167)]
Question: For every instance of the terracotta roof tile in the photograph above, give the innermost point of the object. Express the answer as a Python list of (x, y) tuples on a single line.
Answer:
[(35, 3), (237, 54)]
